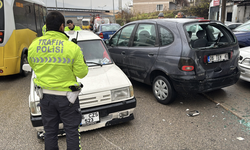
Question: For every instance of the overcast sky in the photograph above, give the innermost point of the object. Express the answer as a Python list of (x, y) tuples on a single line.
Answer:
[(86, 4)]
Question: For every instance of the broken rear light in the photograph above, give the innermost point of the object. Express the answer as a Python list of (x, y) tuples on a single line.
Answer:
[(231, 54), (186, 64)]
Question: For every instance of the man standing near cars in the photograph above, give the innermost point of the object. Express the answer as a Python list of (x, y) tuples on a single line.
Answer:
[(180, 15), (160, 16), (71, 26), (56, 63)]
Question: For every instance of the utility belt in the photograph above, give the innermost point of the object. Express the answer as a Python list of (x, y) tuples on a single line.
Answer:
[(71, 95)]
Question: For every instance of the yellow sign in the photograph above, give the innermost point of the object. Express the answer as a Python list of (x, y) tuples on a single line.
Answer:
[(1, 4)]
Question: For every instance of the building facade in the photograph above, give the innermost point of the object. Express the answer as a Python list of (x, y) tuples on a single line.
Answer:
[(148, 6), (236, 10)]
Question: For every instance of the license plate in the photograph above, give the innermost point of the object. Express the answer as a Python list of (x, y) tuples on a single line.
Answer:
[(110, 35), (217, 58), (91, 118)]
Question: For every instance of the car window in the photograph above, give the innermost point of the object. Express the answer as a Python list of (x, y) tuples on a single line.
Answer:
[(215, 31), (192, 30), (110, 28), (212, 35), (166, 37), (94, 52), (114, 39), (145, 35), (125, 35)]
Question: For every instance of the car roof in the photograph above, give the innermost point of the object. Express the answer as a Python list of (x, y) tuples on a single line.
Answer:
[(109, 24), (83, 35), (175, 20)]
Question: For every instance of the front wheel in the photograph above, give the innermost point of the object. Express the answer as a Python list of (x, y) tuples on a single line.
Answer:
[(163, 91)]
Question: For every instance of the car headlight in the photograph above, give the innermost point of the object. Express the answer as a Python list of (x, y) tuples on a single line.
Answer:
[(122, 93), (35, 108), (246, 61)]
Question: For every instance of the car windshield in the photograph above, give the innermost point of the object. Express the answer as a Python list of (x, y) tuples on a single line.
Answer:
[(208, 35), (244, 27), (110, 27), (94, 53)]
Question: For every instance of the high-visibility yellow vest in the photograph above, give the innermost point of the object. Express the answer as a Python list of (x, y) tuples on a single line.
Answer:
[(76, 28), (56, 61)]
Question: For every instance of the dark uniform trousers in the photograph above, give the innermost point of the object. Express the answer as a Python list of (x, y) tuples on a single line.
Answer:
[(55, 108)]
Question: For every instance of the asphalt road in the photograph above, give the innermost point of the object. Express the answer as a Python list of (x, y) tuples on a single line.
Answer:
[(155, 127)]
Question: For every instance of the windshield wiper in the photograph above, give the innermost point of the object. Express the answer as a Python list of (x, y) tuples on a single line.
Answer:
[(99, 64)]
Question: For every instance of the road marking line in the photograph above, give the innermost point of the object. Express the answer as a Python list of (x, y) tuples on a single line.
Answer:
[(109, 141), (223, 106)]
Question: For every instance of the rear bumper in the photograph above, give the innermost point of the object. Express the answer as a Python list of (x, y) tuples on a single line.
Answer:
[(109, 115), (206, 85)]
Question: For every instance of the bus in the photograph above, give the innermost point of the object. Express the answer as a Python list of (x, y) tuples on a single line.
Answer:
[(21, 21), (86, 23)]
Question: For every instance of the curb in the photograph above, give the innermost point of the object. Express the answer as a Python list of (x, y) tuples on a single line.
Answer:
[(223, 106)]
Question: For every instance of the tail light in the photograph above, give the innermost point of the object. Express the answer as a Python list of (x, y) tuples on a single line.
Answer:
[(186, 64), (101, 35), (205, 59), (231, 54), (1, 37)]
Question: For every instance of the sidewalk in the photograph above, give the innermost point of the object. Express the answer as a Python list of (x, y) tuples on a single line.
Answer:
[(235, 98)]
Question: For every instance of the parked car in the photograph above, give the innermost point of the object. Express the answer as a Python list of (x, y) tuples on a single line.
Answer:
[(163, 53), (242, 34), (98, 21), (232, 25), (244, 63), (105, 31), (107, 97)]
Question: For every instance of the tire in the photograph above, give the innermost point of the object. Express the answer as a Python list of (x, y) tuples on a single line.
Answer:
[(163, 90), (24, 60)]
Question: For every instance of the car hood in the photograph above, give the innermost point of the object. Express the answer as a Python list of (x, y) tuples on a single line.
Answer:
[(245, 52), (104, 78)]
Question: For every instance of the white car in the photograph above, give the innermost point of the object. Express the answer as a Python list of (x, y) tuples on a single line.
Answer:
[(244, 63), (107, 97)]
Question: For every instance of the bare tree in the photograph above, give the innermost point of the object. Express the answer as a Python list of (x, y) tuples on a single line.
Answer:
[(181, 3)]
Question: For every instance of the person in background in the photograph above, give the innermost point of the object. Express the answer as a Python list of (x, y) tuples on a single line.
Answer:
[(160, 16), (71, 26), (180, 15), (56, 84)]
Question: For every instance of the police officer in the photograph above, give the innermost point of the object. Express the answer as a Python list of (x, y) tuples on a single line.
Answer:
[(71, 26), (57, 62)]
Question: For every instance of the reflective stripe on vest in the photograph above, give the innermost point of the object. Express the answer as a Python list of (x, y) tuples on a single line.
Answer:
[(51, 60)]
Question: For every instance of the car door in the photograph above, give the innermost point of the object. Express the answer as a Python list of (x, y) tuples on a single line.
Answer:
[(142, 54), (118, 46)]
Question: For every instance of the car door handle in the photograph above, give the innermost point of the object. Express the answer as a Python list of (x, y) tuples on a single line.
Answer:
[(151, 54), (123, 52)]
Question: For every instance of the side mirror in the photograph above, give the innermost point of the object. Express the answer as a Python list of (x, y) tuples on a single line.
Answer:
[(26, 67)]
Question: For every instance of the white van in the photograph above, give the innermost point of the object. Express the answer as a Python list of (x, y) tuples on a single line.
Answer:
[(107, 97)]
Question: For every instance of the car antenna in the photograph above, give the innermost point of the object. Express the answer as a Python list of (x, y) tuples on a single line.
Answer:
[(75, 39)]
